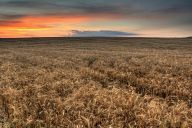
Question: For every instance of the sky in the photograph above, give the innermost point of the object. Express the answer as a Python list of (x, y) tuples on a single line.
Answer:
[(87, 18)]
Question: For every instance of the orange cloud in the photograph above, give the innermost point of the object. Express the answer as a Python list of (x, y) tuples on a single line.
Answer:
[(49, 25), (39, 26)]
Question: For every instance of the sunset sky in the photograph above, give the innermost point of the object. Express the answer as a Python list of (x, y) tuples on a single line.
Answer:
[(61, 18)]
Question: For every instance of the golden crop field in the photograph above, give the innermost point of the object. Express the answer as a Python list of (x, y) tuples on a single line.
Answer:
[(96, 83)]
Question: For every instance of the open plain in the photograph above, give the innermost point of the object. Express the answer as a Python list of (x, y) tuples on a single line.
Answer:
[(96, 82)]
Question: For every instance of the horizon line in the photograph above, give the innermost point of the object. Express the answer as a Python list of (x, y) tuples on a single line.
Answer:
[(91, 37)]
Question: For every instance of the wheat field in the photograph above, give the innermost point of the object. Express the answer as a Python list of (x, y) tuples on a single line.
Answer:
[(96, 83)]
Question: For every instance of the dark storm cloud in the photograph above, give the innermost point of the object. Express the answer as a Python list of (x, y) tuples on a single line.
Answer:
[(102, 33), (57, 7), (10, 16), (144, 13), (7, 23), (124, 7)]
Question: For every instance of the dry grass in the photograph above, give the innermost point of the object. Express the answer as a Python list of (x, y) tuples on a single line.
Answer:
[(89, 82)]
